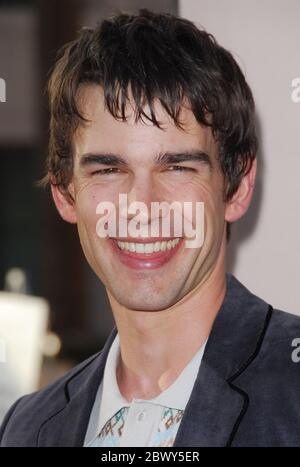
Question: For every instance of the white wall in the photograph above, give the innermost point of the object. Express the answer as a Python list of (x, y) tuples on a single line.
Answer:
[(264, 36)]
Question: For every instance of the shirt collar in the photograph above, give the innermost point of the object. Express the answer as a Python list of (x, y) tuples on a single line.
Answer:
[(109, 400)]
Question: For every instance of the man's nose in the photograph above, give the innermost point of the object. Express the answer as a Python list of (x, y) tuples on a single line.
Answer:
[(143, 190)]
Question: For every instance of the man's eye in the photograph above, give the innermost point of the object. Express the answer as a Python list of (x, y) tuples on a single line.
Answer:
[(110, 170), (180, 168)]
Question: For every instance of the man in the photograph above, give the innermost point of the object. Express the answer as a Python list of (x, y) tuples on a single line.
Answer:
[(152, 108)]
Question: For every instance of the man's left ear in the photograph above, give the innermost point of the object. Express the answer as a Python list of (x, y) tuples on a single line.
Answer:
[(240, 201)]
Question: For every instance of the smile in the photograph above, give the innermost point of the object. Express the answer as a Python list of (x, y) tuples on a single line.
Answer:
[(148, 247), (142, 254)]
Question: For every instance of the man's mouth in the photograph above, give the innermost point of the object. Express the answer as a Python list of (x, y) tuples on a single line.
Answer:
[(146, 253), (139, 247)]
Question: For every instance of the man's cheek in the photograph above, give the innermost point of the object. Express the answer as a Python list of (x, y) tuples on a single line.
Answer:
[(87, 221), (194, 223)]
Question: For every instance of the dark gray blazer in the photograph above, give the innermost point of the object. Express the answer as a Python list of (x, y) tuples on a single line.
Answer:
[(247, 391)]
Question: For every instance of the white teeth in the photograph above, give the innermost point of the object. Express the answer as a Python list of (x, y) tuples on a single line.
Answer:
[(148, 247), (139, 248), (131, 247), (156, 246)]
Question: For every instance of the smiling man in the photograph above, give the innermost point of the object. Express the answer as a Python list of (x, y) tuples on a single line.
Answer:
[(151, 108)]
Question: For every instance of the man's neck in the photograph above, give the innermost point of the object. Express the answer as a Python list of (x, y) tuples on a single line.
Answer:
[(157, 346)]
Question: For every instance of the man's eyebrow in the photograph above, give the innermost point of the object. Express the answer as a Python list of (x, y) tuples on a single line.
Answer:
[(184, 156), (160, 159), (105, 159)]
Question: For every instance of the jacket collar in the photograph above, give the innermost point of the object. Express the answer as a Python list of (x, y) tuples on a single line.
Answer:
[(216, 406)]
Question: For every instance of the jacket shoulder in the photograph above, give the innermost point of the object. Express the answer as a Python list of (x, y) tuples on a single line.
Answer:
[(284, 326), (277, 365), (36, 406), (272, 382)]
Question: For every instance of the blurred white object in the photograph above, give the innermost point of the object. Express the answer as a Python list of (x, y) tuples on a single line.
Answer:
[(23, 327), (16, 281), (51, 345)]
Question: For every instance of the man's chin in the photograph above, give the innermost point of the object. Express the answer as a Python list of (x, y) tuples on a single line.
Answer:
[(143, 302)]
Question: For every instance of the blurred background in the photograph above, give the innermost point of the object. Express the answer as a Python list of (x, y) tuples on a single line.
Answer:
[(53, 310)]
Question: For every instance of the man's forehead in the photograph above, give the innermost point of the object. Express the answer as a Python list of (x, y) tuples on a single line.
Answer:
[(105, 131), (91, 103)]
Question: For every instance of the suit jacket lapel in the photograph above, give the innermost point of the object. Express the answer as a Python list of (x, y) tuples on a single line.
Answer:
[(211, 412)]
